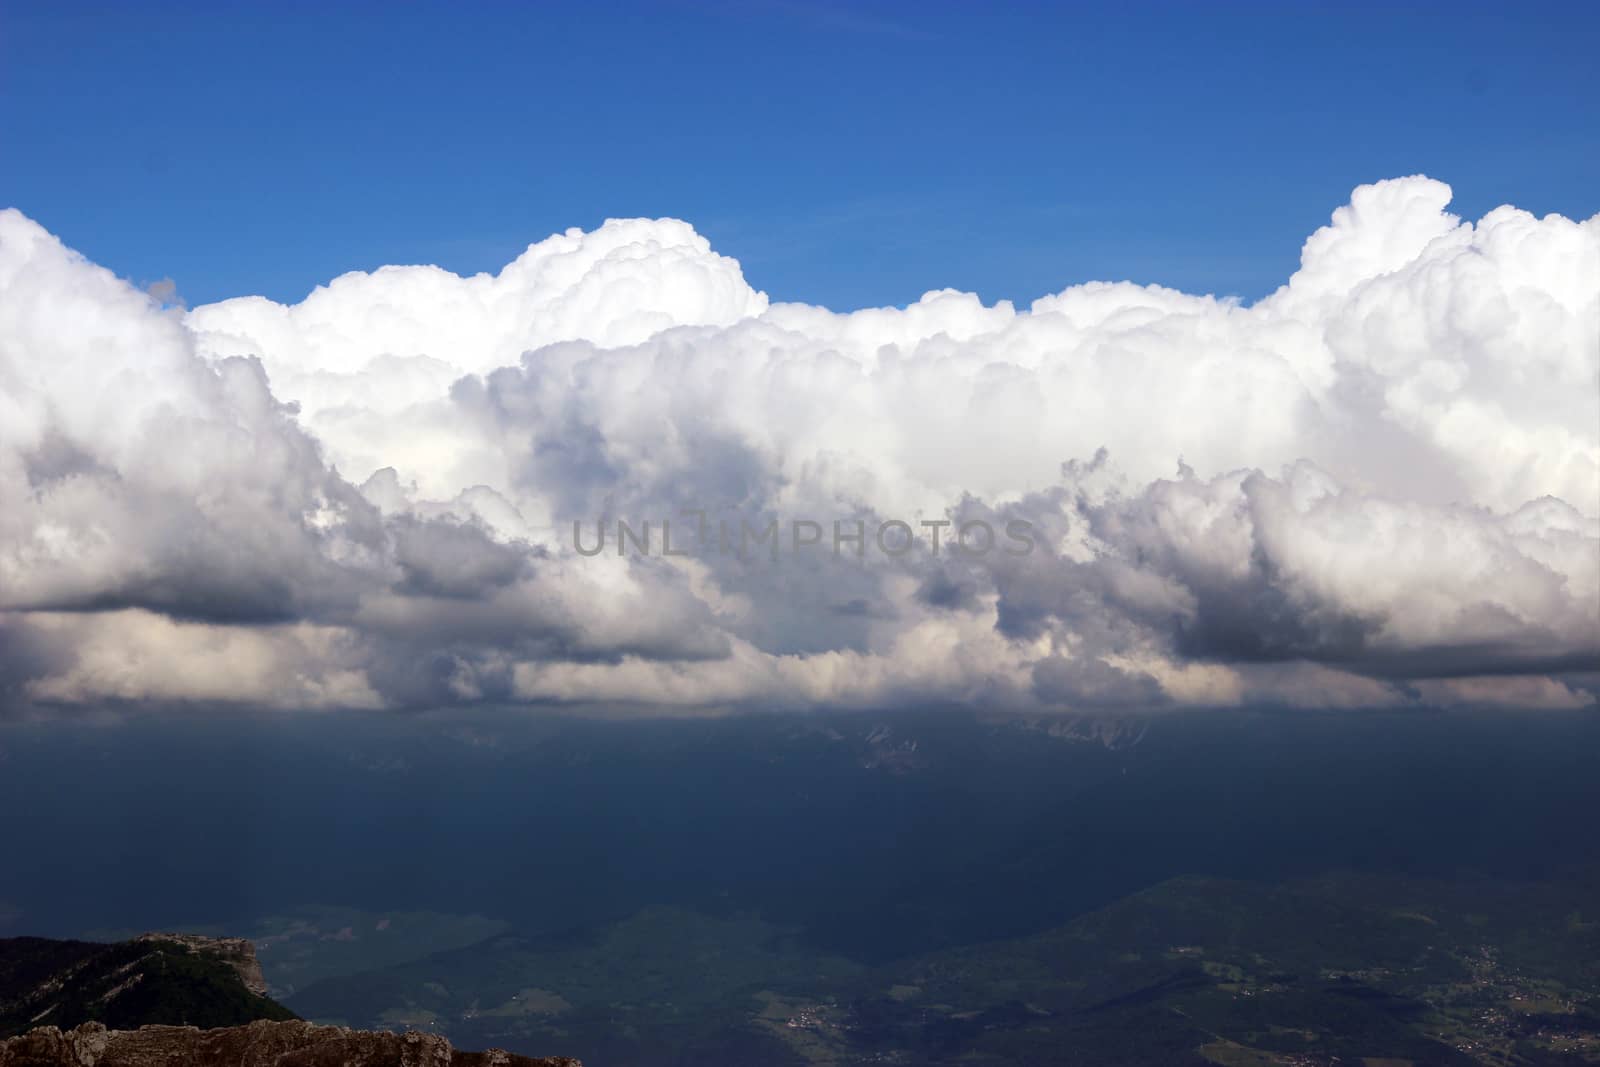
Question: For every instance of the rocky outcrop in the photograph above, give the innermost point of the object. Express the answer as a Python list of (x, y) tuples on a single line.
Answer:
[(166, 979), (259, 1044), (236, 952)]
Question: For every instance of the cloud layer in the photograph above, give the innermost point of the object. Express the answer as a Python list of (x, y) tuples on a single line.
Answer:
[(1378, 485)]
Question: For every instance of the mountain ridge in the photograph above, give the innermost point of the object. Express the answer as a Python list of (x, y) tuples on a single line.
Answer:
[(153, 978), (263, 1043), (158, 1000)]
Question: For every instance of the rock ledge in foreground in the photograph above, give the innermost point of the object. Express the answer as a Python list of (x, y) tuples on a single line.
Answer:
[(259, 1044)]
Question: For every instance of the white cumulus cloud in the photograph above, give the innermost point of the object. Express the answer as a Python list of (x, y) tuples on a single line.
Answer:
[(1378, 485)]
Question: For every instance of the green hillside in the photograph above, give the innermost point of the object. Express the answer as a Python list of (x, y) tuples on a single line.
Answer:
[(124, 985)]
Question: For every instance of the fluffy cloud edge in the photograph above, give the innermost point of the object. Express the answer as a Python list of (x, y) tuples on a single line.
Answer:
[(1388, 489)]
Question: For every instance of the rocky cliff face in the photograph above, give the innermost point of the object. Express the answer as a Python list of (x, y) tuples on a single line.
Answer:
[(260, 1044), (236, 952), (154, 979)]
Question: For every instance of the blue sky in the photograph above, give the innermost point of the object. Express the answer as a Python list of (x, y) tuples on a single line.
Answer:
[(848, 156)]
